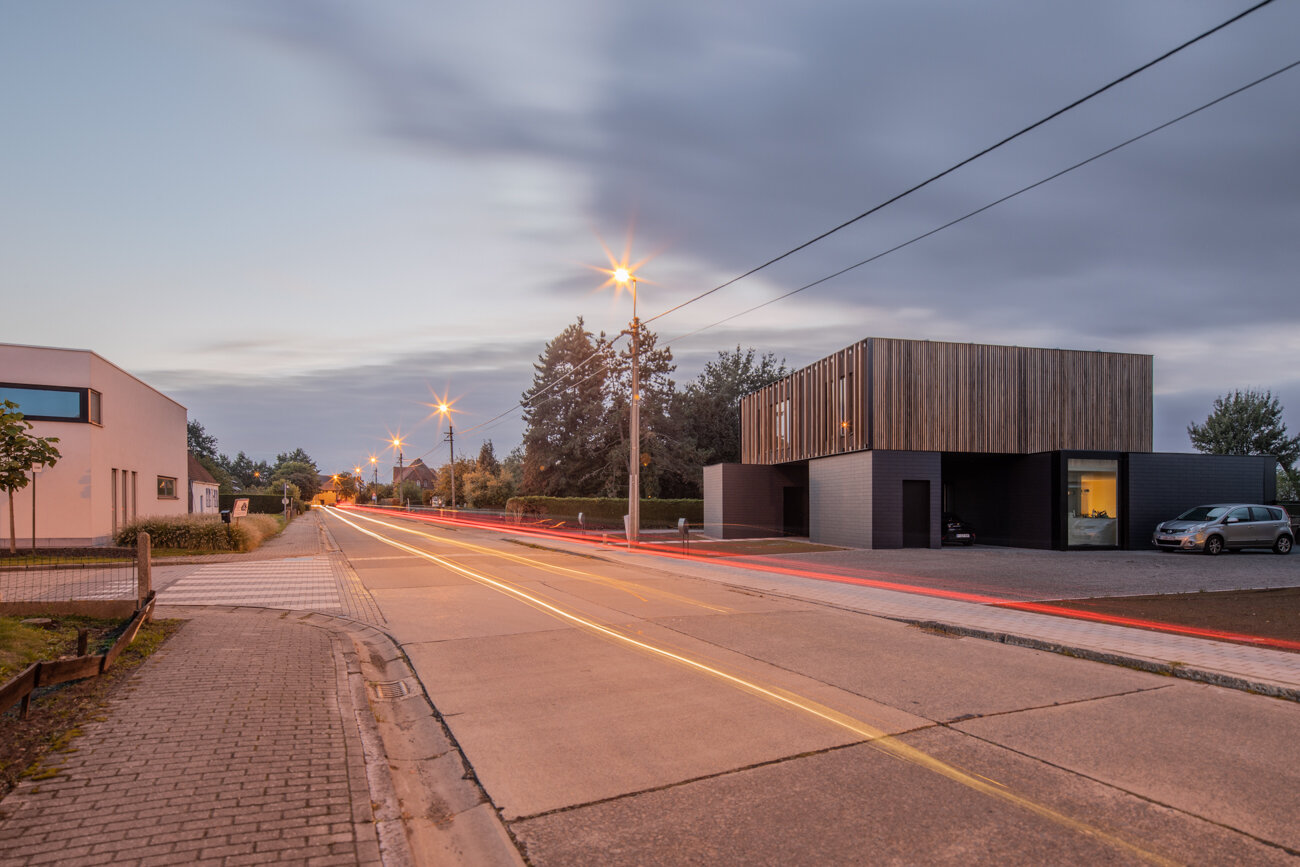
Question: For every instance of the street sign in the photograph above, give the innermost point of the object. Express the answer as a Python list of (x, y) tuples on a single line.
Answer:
[(284, 501), (240, 509)]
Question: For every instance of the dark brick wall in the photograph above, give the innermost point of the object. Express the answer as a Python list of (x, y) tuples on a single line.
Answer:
[(840, 500), (742, 501), (888, 471), (1163, 485)]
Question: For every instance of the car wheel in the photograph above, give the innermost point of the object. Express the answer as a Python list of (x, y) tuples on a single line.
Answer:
[(1213, 545), (1282, 545)]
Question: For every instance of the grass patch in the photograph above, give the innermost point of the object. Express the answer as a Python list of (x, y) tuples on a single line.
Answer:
[(22, 644)]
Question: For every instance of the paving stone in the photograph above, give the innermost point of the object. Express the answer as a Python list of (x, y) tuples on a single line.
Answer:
[(219, 751)]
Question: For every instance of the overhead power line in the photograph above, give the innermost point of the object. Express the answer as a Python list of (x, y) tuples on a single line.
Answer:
[(968, 160), (542, 395), (995, 203)]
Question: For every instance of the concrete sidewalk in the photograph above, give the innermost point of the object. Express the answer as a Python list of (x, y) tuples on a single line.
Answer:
[(258, 735)]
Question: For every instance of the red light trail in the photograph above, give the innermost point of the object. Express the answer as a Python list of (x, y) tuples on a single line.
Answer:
[(767, 564)]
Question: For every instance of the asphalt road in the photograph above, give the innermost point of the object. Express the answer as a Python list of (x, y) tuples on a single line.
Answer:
[(620, 715)]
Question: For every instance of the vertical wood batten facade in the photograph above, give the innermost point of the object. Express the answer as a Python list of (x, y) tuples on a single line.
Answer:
[(911, 395)]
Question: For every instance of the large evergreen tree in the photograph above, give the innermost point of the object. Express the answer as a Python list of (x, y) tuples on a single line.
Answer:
[(565, 416), (1247, 423), (710, 407)]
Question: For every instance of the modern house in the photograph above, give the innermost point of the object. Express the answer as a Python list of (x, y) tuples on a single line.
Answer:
[(1037, 448), (122, 445)]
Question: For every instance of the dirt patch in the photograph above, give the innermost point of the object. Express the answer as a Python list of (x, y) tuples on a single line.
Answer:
[(57, 713), (1264, 613)]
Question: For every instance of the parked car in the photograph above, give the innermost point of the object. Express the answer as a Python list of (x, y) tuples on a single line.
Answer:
[(1227, 525), (956, 531)]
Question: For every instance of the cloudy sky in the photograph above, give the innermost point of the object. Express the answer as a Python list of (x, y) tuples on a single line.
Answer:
[(305, 219)]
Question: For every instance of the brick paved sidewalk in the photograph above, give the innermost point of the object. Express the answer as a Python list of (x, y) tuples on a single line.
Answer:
[(237, 743)]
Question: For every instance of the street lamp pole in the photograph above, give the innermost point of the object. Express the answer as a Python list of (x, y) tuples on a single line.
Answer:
[(397, 482), (622, 275), (445, 409)]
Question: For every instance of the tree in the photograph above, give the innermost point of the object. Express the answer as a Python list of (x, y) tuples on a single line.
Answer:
[(244, 473), (303, 475), (297, 456), (710, 407), (564, 411), (20, 452), (346, 486), (487, 457), (201, 443), (668, 463), (1247, 423)]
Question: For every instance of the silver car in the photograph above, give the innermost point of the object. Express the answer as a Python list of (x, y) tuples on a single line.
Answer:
[(1227, 525)]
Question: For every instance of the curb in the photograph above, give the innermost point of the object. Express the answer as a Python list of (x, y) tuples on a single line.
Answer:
[(428, 806), (1199, 675)]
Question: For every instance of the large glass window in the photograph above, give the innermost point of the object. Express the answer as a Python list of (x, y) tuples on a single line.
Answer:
[(1093, 502), (45, 402)]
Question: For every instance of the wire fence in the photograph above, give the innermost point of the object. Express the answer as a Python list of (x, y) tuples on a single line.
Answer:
[(61, 576)]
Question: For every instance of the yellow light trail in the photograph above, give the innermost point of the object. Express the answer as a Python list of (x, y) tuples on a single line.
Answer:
[(873, 737), (591, 577)]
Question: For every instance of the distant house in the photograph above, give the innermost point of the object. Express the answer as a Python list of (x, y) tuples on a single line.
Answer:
[(416, 471), (123, 446), (204, 489)]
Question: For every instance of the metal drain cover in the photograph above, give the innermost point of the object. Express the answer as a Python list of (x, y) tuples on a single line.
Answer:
[(391, 690)]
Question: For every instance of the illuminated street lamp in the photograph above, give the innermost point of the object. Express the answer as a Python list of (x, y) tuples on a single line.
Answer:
[(397, 444), (356, 477), (374, 466), (444, 409), (623, 276)]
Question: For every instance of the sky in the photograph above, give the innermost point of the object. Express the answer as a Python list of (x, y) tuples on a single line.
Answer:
[(306, 221)]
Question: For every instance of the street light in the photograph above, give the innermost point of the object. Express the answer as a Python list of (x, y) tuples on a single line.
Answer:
[(444, 409), (397, 495), (623, 276), (356, 477)]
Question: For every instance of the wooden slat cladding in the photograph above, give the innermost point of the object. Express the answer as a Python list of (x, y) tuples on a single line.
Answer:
[(912, 395)]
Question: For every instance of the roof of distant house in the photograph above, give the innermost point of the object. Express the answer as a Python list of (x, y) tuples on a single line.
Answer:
[(198, 472)]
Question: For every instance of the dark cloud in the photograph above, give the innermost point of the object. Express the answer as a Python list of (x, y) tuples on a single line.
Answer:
[(733, 132)]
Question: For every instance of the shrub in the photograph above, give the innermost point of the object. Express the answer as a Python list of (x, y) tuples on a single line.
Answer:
[(606, 511), (200, 532)]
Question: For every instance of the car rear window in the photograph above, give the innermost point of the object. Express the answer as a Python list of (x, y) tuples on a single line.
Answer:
[(1266, 513)]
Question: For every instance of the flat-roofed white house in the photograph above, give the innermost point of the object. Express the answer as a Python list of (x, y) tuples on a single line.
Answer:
[(123, 446)]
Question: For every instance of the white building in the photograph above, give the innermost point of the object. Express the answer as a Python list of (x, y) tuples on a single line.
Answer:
[(205, 492), (123, 447)]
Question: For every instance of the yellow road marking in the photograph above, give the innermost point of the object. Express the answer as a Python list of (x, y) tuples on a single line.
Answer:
[(590, 577), (875, 738)]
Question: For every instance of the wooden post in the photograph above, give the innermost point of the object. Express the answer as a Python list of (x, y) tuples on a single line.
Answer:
[(83, 641), (143, 560)]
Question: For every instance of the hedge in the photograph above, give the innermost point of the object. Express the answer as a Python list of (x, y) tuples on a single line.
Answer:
[(200, 532), (258, 504), (606, 511)]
